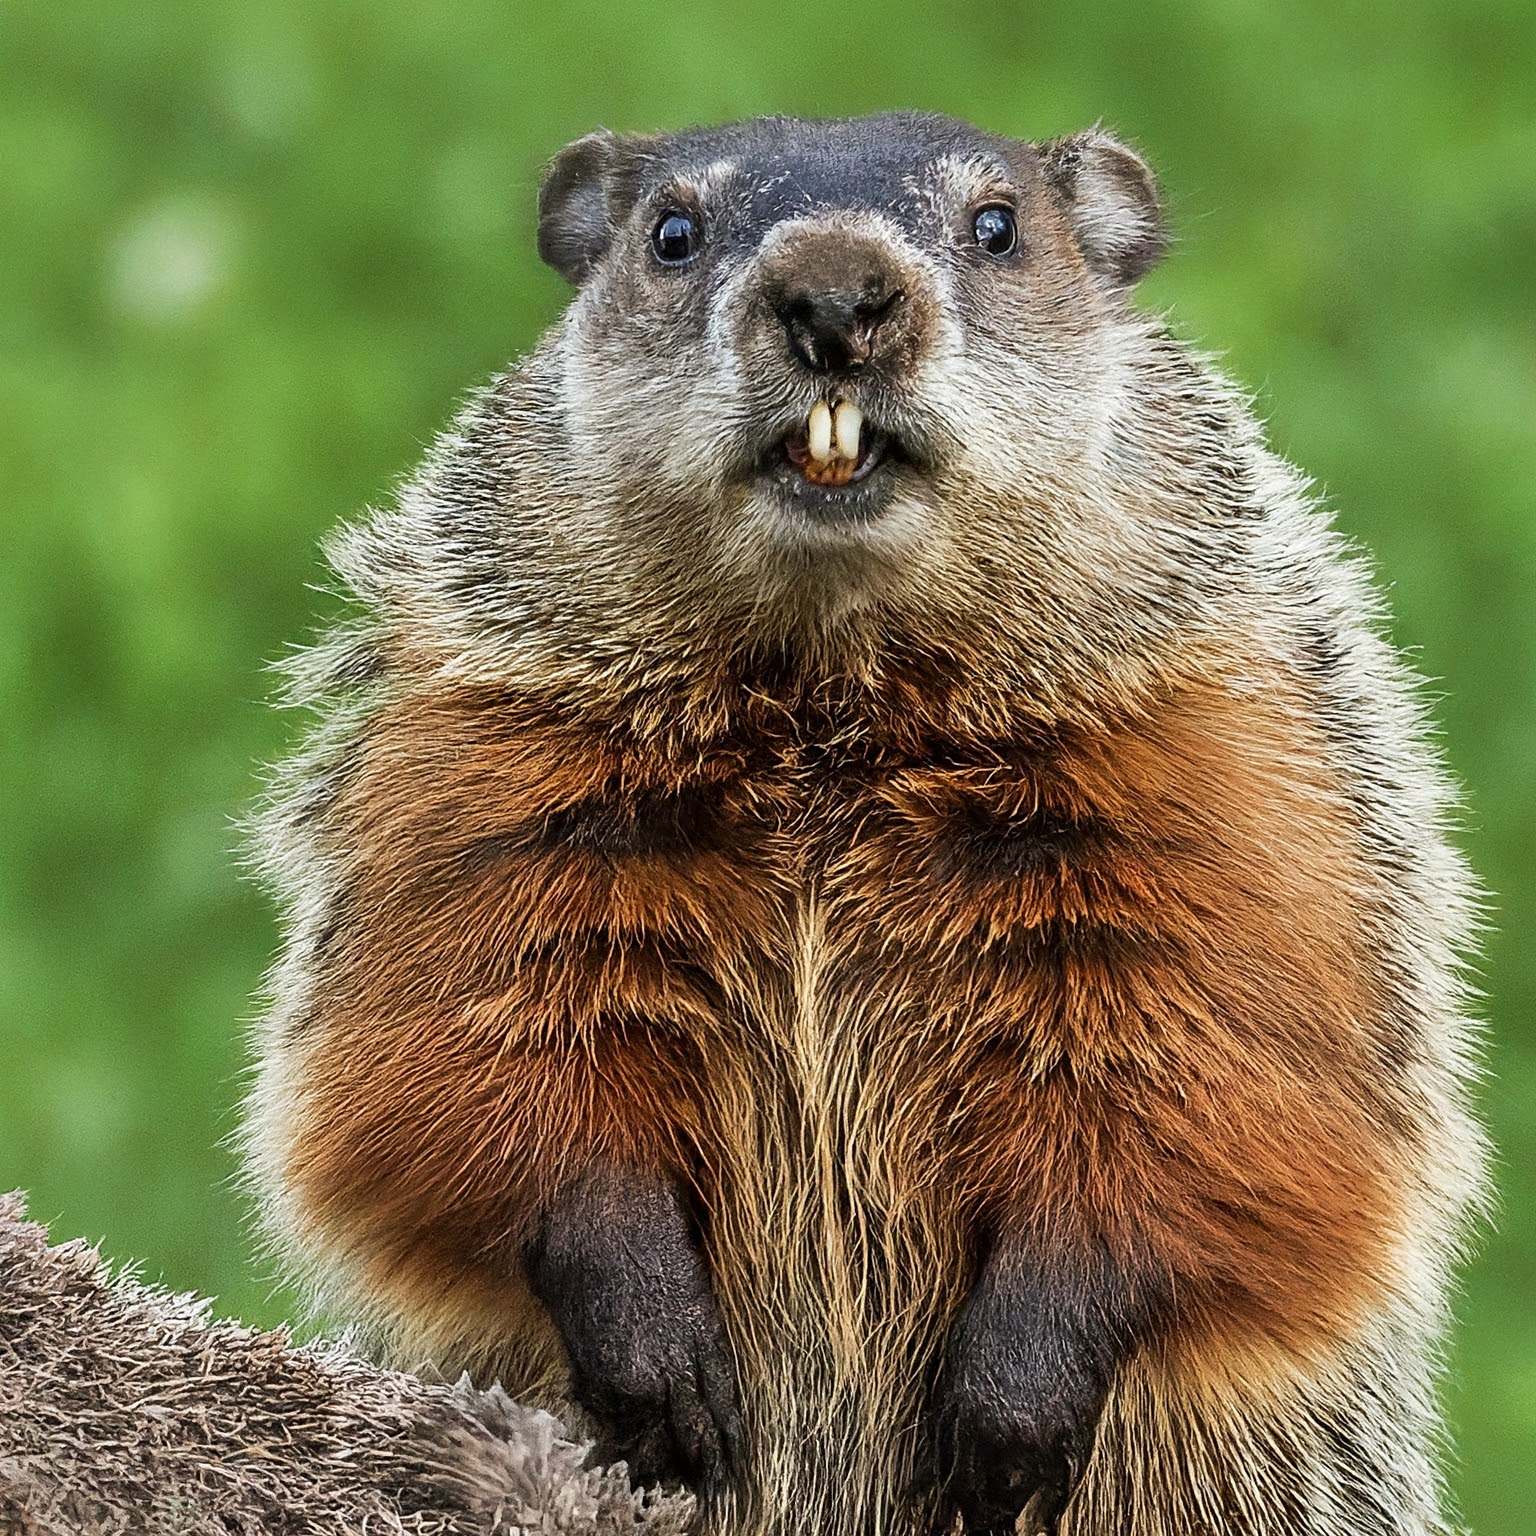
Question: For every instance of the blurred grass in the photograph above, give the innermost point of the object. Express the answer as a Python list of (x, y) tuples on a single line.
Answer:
[(249, 256)]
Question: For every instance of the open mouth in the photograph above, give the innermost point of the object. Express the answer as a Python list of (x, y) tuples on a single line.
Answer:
[(836, 447)]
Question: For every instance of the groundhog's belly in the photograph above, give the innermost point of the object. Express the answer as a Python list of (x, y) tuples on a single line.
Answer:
[(840, 1240)]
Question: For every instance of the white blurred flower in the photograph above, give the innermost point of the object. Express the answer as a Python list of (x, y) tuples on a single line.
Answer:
[(172, 259)]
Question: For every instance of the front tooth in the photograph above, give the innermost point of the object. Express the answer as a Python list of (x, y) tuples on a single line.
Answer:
[(850, 419), (818, 432)]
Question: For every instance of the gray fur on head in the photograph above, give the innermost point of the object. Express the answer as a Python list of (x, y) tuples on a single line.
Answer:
[(1056, 435)]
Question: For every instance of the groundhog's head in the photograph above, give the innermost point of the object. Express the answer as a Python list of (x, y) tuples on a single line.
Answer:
[(832, 356)]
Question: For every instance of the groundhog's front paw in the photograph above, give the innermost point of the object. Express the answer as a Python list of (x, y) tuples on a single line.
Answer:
[(1018, 1398), (618, 1270), (997, 1463)]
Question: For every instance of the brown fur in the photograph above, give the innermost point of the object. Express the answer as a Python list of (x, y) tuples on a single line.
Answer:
[(581, 949)]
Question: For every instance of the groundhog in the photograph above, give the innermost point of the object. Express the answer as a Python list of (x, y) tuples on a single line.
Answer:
[(868, 908)]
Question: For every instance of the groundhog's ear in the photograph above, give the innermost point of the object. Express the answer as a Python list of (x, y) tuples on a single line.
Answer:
[(1110, 197), (584, 199)]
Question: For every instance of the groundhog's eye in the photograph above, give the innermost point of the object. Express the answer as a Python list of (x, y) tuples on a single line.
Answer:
[(676, 238), (997, 231)]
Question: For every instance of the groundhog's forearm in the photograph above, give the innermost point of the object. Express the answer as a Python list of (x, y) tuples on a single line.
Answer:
[(1129, 1225), (615, 1263), (473, 1155)]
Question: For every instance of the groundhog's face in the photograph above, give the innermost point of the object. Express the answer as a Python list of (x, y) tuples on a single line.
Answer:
[(829, 350)]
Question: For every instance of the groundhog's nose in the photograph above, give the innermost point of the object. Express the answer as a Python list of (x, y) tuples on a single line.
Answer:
[(841, 296), (833, 330)]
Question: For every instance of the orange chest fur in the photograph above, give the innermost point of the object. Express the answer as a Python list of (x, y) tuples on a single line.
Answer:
[(1112, 898)]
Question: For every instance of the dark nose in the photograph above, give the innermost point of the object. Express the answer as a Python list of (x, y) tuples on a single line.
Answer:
[(833, 330)]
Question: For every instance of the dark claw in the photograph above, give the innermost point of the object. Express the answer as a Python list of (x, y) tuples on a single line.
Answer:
[(996, 1469)]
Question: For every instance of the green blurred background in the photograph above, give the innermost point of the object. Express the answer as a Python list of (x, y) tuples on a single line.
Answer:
[(251, 254)]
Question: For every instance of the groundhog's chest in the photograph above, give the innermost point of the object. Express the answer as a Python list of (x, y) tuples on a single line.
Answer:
[(1064, 898), (840, 876), (772, 884)]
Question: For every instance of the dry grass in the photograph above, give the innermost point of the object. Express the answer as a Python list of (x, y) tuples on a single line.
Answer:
[(124, 1408)]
